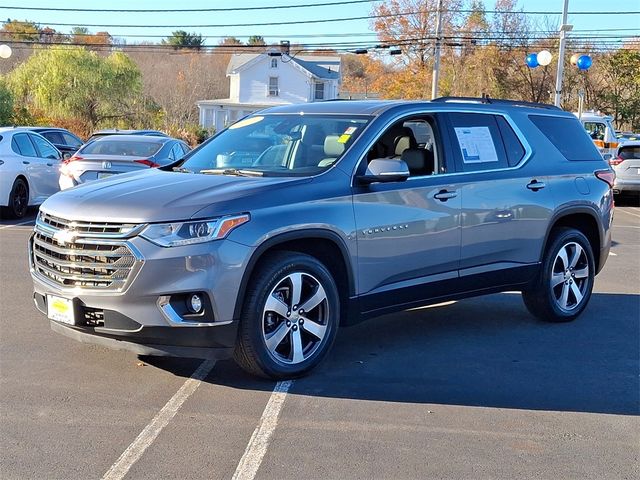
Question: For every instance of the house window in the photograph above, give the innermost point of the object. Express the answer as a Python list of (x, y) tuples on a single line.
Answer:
[(273, 86), (319, 92), (274, 63)]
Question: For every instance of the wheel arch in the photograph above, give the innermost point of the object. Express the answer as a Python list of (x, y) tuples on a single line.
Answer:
[(584, 219), (327, 246)]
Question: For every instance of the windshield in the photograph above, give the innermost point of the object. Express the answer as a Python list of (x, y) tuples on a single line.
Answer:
[(282, 145), (123, 148)]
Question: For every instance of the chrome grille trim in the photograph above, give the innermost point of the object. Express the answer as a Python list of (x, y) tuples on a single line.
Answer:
[(73, 261), (47, 222)]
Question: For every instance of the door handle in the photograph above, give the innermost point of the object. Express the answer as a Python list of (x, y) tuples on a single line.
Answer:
[(25, 162), (444, 195), (535, 185)]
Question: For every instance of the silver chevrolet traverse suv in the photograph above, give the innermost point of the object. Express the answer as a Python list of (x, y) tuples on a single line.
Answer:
[(302, 218)]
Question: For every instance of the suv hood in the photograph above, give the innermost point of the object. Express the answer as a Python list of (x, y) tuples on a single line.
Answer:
[(159, 196)]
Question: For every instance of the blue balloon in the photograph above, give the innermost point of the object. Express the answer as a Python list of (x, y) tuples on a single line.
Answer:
[(584, 62), (532, 60)]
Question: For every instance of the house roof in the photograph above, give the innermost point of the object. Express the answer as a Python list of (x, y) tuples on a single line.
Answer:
[(318, 66)]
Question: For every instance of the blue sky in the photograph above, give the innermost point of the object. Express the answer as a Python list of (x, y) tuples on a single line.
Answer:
[(355, 30)]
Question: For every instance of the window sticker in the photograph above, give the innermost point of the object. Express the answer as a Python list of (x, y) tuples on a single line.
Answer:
[(350, 130), (476, 144), (344, 138)]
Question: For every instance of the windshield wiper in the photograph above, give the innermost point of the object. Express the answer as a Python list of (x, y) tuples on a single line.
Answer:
[(232, 171)]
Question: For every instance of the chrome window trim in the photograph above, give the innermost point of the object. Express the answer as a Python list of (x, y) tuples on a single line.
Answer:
[(525, 159)]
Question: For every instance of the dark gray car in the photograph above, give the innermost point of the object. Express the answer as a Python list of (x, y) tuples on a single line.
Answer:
[(115, 154), (302, 218)]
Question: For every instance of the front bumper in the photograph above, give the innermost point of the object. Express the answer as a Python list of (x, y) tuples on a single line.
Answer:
[(142, 317)]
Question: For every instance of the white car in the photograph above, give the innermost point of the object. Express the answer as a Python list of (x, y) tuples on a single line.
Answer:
[(29, 170), (626, 164)]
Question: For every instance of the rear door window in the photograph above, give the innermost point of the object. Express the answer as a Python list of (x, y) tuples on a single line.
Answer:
[(25, 147), (477, 142), (568, 136), (46, 149), (513, 148), (53, 137)]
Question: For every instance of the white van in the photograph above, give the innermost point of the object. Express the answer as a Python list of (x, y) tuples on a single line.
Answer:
[(601, 131)]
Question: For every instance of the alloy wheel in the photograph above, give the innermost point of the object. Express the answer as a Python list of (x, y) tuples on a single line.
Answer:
[(295, 318), (570, 276)]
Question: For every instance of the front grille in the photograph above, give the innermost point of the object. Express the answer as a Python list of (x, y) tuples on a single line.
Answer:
[(92, 228), (73, 261)]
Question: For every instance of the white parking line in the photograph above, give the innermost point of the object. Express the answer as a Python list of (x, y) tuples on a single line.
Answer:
[(627, 212), (257, 447), (15, 224), (134, 451)]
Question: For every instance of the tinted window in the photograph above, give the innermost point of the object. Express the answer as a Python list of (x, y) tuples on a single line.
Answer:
[(123, 147), (46, 149), (25, 147), (478, 141), (53, 137), (176, 152), (514, 149), (568, 136), (185, 148), (629, 152), (71, 140)]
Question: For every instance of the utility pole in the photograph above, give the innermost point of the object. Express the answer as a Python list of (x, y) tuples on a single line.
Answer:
[(436, 62), (564, 28)]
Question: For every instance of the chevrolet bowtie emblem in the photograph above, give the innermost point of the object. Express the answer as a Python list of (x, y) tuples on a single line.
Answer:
[(64, 236)]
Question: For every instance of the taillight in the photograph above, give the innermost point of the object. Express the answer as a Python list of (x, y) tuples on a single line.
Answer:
[(147, 162), (72, 158), (616, 161), (607, 176)]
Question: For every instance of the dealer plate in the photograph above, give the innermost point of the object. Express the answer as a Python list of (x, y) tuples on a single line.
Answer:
[(60, 309)]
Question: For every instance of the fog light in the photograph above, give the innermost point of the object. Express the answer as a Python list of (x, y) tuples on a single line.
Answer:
[(194, 303)]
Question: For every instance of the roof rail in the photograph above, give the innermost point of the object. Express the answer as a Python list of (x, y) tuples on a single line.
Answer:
[(495, 101)]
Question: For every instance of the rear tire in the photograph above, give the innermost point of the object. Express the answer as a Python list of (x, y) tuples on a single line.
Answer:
[(18, 200), (290, 317), (563, 288)]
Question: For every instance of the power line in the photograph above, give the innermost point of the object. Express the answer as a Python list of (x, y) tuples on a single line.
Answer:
[(311, 35), (323, 20), (187, 10)]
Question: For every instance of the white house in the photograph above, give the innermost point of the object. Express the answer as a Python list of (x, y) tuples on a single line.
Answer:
[(260, 80)]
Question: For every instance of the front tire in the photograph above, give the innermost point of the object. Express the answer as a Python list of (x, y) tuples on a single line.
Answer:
[(564, 285), (18, 200), (290, 317)]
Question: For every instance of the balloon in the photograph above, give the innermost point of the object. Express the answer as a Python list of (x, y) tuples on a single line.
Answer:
[(584, 62), (544, 58), (5, 51), (532, 60), (574, 58)]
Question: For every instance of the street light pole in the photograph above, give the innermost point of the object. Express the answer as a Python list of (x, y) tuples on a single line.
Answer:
[(563, 33), (436, 62)]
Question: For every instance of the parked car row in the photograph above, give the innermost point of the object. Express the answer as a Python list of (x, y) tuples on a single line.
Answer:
[(36, 162)]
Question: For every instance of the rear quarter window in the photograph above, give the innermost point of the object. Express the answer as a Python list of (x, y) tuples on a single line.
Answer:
[(568, 136)]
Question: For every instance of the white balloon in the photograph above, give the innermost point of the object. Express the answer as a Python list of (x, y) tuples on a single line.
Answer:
[(544, 58), (5, 51)]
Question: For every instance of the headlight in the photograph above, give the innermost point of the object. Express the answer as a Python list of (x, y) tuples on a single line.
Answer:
[(187, 233)]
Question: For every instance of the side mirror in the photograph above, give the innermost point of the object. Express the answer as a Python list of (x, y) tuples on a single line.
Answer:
[(607, 156), (66, 155), (384, 170)]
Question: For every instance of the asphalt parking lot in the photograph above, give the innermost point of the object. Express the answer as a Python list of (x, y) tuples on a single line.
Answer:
[(474, 389)]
